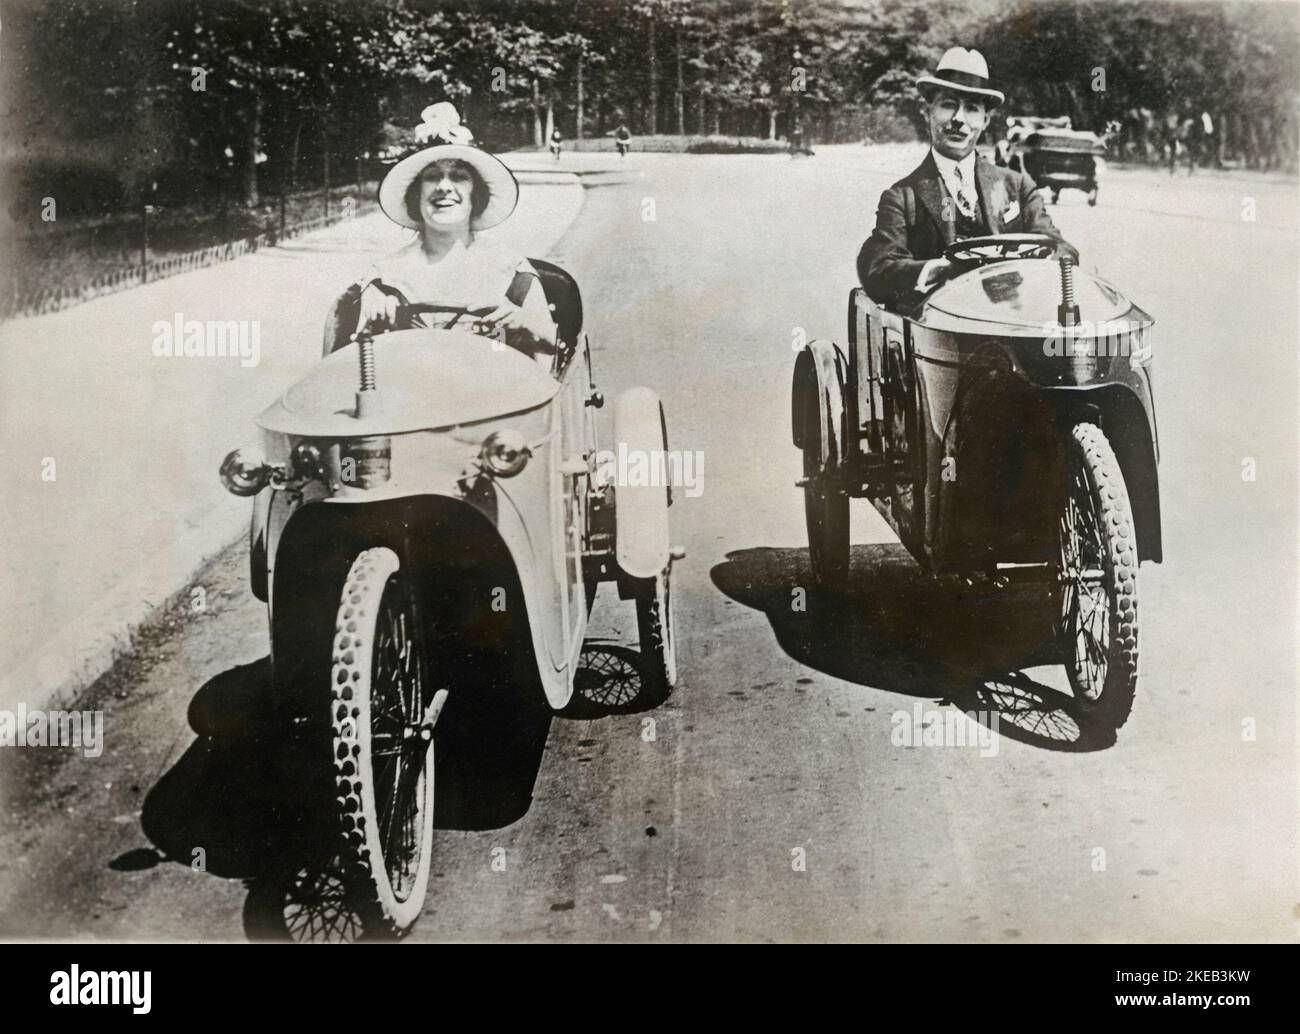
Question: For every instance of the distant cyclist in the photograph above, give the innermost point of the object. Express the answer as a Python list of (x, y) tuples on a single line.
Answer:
[(622, 140), (556, 141)]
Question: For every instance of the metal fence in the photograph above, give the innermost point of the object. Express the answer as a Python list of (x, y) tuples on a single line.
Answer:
[(35, 299)]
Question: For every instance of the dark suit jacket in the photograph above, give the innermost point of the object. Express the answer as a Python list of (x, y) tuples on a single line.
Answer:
[(911, 228)]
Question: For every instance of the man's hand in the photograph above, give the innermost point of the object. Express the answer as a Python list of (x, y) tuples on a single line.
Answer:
[(377, 307), (933, 273)]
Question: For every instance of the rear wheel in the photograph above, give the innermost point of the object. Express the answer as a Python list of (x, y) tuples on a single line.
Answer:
[(655, 629), (826, 511), (382, 711), (1098, 571)]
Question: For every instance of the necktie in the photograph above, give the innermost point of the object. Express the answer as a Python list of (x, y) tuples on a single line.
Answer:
[(964, 201)]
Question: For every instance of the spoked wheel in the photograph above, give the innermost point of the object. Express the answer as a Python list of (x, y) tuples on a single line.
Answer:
[(826, 510), (383, 711), (654, 622), (1098, 571)]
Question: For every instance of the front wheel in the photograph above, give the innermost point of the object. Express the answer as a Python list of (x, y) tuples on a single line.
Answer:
[(657, 635), (383, 709), (1098, 572)]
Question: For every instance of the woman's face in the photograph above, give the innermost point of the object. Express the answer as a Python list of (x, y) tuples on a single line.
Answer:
[(446, 195)]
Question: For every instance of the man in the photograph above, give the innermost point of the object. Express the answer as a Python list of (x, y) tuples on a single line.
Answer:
[(952, 195)]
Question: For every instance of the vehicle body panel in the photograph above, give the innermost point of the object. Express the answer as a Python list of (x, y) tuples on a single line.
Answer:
[(957, 411), (441, 393)]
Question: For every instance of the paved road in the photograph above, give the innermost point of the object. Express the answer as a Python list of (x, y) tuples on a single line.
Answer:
[(771, 803)]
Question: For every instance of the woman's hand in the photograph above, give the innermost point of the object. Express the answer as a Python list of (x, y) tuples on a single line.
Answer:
[(377, 307), (523, 327)]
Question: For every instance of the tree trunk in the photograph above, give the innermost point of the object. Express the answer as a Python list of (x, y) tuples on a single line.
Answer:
[(700, 100), (577, 132), (653, 97), (253, 145), (679, 98), (771, 123), (538, 140), (717, 117), (550, 117), (295, 150)]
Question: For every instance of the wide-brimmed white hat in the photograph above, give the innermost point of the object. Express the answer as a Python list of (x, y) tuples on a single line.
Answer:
[(963, 71), (441, 128)]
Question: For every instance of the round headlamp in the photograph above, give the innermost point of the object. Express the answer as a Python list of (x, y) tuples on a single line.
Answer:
[(504, 453), (245, 472)]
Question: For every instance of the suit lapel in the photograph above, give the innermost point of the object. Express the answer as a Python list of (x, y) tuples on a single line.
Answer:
[(992, 194), (929, 188)]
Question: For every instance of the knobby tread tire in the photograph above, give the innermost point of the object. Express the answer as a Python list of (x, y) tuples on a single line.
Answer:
[(1115, 519)]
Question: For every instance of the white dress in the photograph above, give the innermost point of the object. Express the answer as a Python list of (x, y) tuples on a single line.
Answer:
[(473, 277)]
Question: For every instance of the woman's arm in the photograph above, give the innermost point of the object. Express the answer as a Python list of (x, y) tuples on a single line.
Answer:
[(525, 316)]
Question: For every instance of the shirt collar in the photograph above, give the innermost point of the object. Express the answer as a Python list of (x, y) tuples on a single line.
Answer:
[(947, 167)]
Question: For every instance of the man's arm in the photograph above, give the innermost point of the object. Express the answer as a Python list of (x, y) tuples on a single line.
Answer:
[(886, 267), (1034, 217)]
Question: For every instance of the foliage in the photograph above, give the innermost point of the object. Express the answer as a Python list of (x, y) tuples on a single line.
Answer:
[(295, 89)]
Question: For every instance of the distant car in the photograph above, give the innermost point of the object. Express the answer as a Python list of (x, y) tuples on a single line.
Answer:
[(1006, 430), (1060, 159)]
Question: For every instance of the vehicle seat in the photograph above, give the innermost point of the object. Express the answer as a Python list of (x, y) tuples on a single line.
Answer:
[(342, 320), (564, 298)]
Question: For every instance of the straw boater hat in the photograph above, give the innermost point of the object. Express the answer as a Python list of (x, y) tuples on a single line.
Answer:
[(962, 71), (441, 129)]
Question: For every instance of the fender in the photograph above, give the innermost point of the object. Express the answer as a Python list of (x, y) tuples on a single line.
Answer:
[(1128, 419), (820, 372), (641, 544), (429, 532)]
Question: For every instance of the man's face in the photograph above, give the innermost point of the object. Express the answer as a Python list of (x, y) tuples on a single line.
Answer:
[(956, 121)]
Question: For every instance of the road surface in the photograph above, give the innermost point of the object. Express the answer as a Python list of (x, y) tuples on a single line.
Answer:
[(767, 801)]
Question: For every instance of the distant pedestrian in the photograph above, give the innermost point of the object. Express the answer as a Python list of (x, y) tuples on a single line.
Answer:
[(1209, 150), (556, 141), (1188, 140)]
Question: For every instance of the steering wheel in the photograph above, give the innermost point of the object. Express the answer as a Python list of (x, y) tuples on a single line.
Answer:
[(407, 312), (978, 251)]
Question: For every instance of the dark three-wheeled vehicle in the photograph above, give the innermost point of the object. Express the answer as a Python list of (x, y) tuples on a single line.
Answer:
[(1005, 430)]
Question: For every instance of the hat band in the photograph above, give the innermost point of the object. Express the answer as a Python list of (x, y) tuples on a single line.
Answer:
[(963, 79)]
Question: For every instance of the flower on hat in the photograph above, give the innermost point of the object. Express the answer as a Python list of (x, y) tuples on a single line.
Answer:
[(440, 124)]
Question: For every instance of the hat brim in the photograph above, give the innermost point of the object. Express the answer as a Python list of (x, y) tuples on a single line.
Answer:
[(502, 187), (929, 82)]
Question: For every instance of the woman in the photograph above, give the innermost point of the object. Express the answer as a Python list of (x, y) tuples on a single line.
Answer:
[(448, 191)]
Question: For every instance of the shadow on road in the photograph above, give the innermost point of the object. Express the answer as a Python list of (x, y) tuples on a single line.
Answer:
[(897, 629), (247, 801), (607, 682)]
